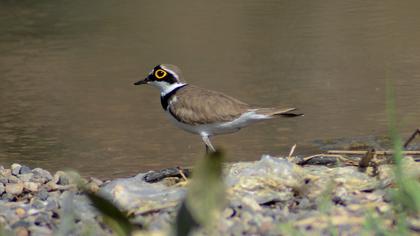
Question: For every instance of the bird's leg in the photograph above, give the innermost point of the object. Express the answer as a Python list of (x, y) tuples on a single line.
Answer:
[(209, 146)]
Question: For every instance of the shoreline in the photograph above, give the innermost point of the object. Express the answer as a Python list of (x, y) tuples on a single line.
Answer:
[(263, 197)]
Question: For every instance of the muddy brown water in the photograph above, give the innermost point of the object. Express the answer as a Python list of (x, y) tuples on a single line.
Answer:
[(67, 68)]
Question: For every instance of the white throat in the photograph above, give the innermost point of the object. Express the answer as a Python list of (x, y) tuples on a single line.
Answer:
[(165, 87)]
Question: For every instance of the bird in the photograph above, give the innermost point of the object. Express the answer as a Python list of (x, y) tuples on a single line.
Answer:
[(205, 112)]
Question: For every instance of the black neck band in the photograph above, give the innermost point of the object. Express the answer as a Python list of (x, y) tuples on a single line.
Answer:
[(165, 99)]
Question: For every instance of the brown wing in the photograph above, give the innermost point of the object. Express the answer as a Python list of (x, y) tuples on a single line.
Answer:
[(194, 105)]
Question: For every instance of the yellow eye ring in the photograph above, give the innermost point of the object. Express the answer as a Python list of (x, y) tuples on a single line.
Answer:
[(159, 74)]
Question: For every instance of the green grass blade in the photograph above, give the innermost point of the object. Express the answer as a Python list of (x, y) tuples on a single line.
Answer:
[(116, 219)]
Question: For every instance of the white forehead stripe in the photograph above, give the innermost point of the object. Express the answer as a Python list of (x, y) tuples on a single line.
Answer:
[(170, 71)]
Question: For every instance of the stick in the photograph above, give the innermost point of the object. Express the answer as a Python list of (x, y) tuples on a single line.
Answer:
[(376, 152), (292, 150), (411, 138)]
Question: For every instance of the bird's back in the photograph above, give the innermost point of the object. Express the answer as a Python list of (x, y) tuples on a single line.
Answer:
[(194, 105)]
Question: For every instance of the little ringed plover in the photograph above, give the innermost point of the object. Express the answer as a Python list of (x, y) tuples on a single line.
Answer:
[(205, 112)]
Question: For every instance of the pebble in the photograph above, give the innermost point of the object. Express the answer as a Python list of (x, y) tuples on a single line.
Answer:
[(41, 231), (8, 196), (41, 175), (19, 224), (3, 181), (21, 231), (13, 179), (20, 212), (38, 204), (33, 201), (96, 181), (42, 219), (24, 170), (42, 194), (31, 186), (16, 169), (51, 204), (26, 177), (5, 172), (14, 189)]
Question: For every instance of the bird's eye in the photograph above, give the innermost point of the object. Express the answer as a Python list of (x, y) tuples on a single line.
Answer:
[(159, 74)]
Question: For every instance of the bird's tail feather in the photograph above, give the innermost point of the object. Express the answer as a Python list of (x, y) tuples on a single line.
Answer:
[(275, 111)]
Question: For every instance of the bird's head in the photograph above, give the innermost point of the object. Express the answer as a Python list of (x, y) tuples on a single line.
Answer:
[(163, 76)]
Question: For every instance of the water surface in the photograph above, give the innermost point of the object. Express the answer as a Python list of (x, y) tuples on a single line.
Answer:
[(67, 68)]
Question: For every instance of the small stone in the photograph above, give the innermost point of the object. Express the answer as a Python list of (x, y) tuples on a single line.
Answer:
[(24, 170), (14, 179), (51, 205), (38, 204), (15, 189), (40, 231), (96, 181), (9, 197), (21, 231), (51, 186), (31, 186), (3, 180), (93, 187), (20, 212), (61, 178), (19, 224), (26, 177), (43, 194), (2, 188), (41, 175), (3, 220), (5, 172), (42, 220), (16, 168), (228, 212)]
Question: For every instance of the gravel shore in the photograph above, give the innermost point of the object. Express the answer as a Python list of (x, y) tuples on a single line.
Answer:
[(263, 198)]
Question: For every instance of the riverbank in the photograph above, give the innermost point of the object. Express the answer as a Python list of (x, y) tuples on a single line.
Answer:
[(265, 197)]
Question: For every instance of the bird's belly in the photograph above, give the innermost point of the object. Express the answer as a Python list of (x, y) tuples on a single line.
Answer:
[(215, 128)]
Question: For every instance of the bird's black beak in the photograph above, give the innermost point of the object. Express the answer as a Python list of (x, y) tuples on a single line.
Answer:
[(145, 81)]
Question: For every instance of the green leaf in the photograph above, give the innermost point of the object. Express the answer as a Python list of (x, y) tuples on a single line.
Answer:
[(113, 217), (205, 198)]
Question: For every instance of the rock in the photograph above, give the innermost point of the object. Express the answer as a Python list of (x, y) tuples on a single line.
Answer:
[(41, 176), (20, 224), (42, 219), (13, 179), (31, 186), (14, 189), (2, 188), (20, 212), (61, 178), (15, 168), (26, 177), (93, 187), (96, 181), (21, 231), (38, 204), (135, 193), (51, 204), (5, 172), (3, 180), (42, 194), (24, 170), (51, 186), (41, 231), (8, 196)]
